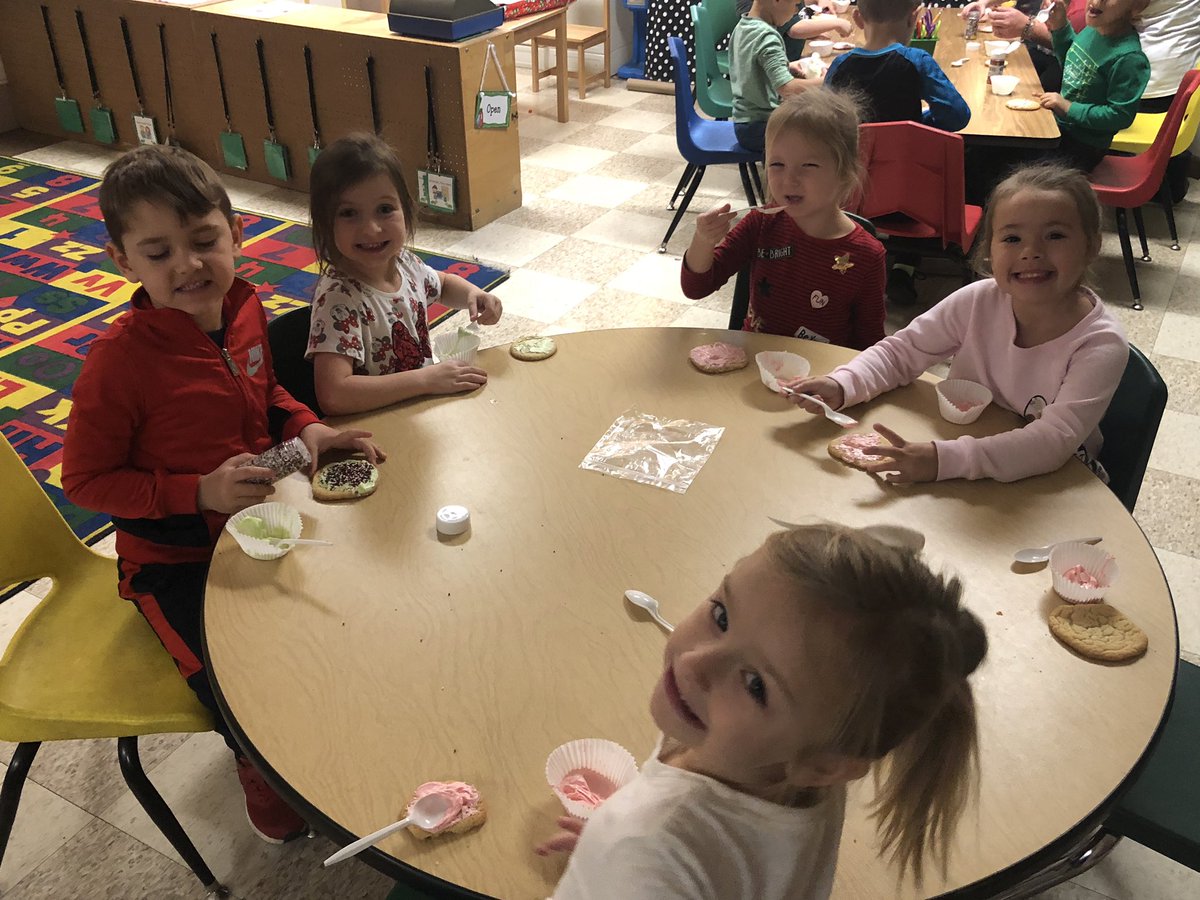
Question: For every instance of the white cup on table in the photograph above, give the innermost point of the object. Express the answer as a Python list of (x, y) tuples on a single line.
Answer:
[(1003, 85)]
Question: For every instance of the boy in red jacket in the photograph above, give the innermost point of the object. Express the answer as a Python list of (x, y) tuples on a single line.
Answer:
[(172, 400)]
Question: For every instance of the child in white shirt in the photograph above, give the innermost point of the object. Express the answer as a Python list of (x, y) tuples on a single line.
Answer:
[(821, 654), (1032, 334)]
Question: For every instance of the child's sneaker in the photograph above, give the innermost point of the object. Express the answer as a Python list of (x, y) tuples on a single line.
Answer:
[(270, 817)]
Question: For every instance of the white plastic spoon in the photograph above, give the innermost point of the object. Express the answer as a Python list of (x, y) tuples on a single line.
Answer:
[(426, 813), (280, 542), (1031, 555), (830, 413), (650, 605), (959, 62), (1012, 48)]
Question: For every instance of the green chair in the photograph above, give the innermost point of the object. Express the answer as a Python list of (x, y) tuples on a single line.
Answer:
[(1161, 809), (723, 15), (1130, 426), (714, 93)]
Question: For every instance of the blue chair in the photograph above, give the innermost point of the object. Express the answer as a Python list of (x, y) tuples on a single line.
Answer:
[(703, 143), (1130, 426)]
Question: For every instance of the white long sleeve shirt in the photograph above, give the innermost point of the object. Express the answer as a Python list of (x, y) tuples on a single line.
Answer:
[(1062, 387)]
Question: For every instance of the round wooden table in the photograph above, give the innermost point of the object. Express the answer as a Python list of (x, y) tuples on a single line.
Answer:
[(359, 671)]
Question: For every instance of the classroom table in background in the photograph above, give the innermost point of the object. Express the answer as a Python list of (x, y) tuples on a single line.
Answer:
[(356, 672), (526, 28), (992, 122)]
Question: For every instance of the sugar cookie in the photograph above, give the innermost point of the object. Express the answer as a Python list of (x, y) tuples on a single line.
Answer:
[(1098, 631), (532, 347)]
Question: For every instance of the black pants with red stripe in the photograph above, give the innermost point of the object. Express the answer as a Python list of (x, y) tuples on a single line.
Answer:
[(171, 597)]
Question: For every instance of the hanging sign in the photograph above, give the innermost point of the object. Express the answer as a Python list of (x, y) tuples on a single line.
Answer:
[(493, 109)]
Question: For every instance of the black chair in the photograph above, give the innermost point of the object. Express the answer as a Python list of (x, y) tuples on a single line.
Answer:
[(1130, 426), (741, 287), (288, 337)]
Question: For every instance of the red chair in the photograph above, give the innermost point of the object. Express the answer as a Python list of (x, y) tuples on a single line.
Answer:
[(914, 192), (1128, 182)]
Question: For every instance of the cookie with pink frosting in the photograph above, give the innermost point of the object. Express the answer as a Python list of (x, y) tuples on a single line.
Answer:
[(852, 449), (718, 357), (466, 810)]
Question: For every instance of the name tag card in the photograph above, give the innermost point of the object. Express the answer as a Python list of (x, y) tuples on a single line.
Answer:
[(493, 109)]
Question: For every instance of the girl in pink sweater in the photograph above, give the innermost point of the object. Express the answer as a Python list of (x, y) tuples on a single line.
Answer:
[(1041, 341)]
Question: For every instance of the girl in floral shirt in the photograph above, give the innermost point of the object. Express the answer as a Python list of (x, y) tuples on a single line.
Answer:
[(369, 338)]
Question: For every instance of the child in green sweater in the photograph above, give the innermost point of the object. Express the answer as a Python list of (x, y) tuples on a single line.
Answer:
[(1104, 75)]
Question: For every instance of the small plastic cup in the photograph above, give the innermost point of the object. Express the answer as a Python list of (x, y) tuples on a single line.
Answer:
[(961, 401), (841, 6), (825, 48), (775, 366), (1003, 85), (614, 765), (995, 48), (1096, 562), (276, 516), (457, 344)]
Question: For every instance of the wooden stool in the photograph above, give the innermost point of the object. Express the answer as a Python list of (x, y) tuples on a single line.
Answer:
[(579, 38)]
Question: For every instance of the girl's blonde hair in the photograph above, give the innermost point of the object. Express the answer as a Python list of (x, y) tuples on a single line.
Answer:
[(1049, 177), (825, 117), (903, 646), (341, 165)]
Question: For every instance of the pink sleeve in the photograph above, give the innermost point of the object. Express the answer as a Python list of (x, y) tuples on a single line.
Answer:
[(1045, 444), (900, 359)]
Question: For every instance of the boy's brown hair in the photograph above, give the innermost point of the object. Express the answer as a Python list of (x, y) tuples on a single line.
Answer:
[(341, 165), (164, 175), (886, 11)]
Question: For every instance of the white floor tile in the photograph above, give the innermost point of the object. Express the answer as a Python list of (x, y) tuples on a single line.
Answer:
[(44, 823), (655, 275), (1134, 872), (507, 244), (615, 94), (639, 120), (569, 157), (541, 297), (200, 784), (699, 317), (1183, 575), (547, 129), (12, 613), (1176, 443), (597, 190), (660, 146), (626, 229), (1179, 336)]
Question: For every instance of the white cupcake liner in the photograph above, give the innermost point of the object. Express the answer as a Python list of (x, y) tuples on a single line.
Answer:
[(1096, 561), (606, 758), (275, 515), (959, 390), (779, 365), (456, 345)]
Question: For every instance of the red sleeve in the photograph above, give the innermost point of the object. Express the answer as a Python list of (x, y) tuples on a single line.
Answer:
[(729, 257), (870, 308), (98, 472)]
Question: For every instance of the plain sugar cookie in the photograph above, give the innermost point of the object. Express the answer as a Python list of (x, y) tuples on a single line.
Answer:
[(1098, 631)]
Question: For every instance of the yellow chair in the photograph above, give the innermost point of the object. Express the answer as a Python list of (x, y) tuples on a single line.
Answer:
[(84, 663), (1138, 137), (580, 38)]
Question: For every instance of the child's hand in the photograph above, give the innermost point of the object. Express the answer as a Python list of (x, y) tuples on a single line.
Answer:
[(319, 438), (484, 308), (231, 487), (565, 840), (910, 462), (712, 226), (1058, 14), (824, 387), (1055, 102), (453, 377)]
